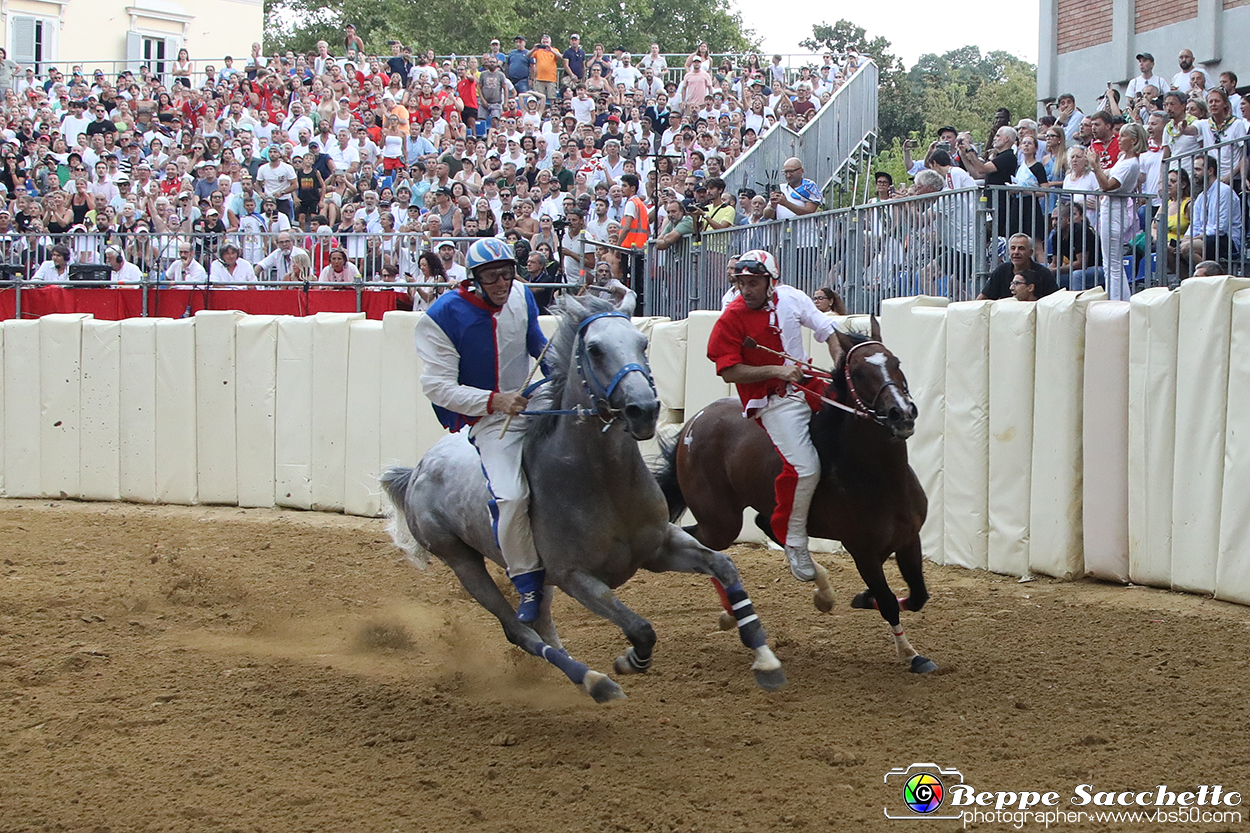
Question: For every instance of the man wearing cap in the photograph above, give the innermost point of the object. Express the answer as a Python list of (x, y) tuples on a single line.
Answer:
[(544, 66), (228, 267), (1146, 63), (696, 85), (517, 65), (446, 251), (774, 315), (494, 53), (574, 61), (492, 87)]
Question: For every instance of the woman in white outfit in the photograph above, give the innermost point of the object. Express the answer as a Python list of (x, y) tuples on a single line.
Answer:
[(1117, 217)]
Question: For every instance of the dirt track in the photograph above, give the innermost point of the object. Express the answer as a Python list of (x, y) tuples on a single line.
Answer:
[(205, 669)]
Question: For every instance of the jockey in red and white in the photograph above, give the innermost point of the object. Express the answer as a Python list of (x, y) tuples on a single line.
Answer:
[(476, 343), (773, 314)]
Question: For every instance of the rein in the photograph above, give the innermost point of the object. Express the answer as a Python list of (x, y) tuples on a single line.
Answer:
[(861, 409), (600, 394)]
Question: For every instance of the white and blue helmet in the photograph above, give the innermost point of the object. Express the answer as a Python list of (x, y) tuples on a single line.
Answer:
[(488, 250)]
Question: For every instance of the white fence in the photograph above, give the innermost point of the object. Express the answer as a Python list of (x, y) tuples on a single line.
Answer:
[(1067, 437)]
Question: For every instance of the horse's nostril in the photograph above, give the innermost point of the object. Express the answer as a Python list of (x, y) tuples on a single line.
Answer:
[(895, 414), (633, 412), (915, 412)]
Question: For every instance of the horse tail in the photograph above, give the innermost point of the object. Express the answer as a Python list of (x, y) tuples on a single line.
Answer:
[(395, 481), (666, 476)]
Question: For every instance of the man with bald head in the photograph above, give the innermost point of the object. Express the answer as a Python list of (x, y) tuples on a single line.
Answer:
[(795, 196)]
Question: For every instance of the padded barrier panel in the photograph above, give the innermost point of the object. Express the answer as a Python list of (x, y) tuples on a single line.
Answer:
[(703, 386), (176, 462), (99, 437), (1201, 413), (293, 406), (1105, 447), (215, 407), (548, 324), (362, 495), (1153, 322), (22, 415), (331, 337), (646, 324), (1055, 533), (668, 363), (1012, 339), (60, 372), (138, 410), (965, 452), (895, 319), (926, 378), (1232, 574), (255, 394), (408, 424)]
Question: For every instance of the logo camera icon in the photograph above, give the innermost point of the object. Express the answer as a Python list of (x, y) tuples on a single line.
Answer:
[(920, 790)]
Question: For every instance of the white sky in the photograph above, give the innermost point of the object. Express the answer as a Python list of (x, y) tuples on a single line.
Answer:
[(915, 27)]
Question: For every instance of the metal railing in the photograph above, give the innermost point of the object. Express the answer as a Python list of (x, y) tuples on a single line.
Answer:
[(834, 139), (946, 243), (1211, 224)]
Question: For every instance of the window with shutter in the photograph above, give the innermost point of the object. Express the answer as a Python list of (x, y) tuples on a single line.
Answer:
[(22, 32)]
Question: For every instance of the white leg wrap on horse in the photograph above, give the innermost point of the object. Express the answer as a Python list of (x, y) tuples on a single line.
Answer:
[(905, 650), (765, 660)]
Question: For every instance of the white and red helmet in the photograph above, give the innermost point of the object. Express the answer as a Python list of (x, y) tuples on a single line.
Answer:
[(757, 262)]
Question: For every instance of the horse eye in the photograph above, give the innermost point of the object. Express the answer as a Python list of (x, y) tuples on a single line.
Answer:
[(595, 350)]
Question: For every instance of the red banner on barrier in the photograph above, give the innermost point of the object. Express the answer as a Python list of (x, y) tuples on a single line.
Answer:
[(110, 304)]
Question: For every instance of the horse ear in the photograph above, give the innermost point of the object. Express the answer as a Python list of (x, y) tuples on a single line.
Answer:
[(627, 303), (876, 328), (845, 342)]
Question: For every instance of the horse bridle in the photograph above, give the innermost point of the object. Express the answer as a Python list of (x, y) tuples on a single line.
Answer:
[(868, 410), (601, 394)]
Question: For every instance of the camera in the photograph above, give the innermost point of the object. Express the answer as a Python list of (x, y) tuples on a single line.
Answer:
[(946, 146), (689, 205)]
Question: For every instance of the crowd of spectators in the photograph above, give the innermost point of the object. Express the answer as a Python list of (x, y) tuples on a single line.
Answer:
[(1096, 184), (340, 166)]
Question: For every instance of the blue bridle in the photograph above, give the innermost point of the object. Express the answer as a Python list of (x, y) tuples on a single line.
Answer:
[(601, 394)]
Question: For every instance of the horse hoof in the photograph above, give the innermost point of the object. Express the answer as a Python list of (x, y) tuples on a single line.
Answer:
[(863, 601), (770, 680), (726, 621), (823, 601), (601, 687), (627, 663), (922, 665)]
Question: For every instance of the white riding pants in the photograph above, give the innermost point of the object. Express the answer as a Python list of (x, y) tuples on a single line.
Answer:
[(510, 491), (787, 421)]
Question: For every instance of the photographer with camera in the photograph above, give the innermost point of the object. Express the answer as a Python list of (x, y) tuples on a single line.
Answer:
[(945, 141), (577, 261), (717, 213)]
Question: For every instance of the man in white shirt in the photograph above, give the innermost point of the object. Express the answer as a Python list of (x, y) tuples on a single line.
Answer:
[(297, 121), (1224, 126), (54, 270), (626, 73), (447, 254), (1147, 78), (186, 269), (343, 154), (123, 271), (583, 105), (74, 124), (230, 268), (1180, 81), (649, 84), (278, 180), (277, 264), (264, 128)]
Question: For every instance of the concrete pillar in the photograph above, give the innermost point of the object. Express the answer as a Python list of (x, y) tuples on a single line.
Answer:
[(1123, 41), (1047, 53), (1208, 44)]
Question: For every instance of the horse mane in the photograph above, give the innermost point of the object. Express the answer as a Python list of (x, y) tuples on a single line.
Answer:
[(571, 310), (828, 421)]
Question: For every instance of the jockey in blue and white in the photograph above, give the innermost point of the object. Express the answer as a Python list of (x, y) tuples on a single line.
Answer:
[(476, 343)]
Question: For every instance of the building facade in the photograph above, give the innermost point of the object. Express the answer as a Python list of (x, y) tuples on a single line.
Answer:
[(114, 34), (1086, 44)]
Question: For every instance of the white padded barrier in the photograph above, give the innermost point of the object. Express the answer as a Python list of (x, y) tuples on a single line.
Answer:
[(99, 436), (1055, 496), (215, 433), (408, 424), (176, 459), (1153, 322), (1105, 441), (293, 407), (60, 371), (331, 337), (22, 415), (1201, 410), (667, 354), (1012, 339), (925, 369), (895, 318), (965, 453), (646, 323), (255, 395), (703, 385), (365, 373), (1232, 575), (138, 410)]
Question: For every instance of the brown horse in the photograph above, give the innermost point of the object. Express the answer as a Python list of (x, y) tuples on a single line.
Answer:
[(868, 497)]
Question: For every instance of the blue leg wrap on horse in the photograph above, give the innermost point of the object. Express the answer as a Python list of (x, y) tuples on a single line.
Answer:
[(574, 670), (750, 631)]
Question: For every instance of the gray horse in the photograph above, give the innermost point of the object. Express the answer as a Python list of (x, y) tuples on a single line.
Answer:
[(597, 513)]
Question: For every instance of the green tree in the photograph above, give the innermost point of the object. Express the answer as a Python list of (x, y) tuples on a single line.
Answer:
[(677, 25), (898, 107)]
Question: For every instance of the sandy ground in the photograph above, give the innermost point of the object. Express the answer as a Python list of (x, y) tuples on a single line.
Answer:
[(205, 669)]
